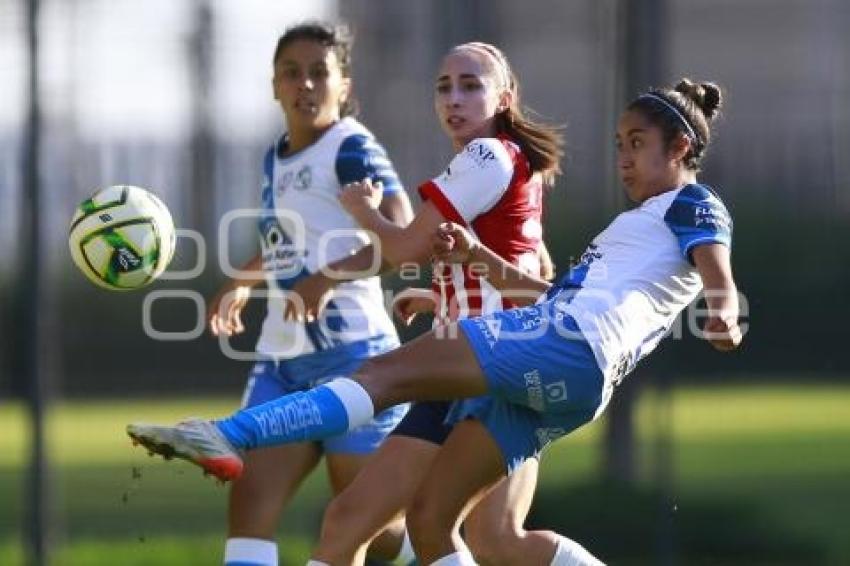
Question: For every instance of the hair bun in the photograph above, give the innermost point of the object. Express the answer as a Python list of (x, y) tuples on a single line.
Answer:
[(705, 95)]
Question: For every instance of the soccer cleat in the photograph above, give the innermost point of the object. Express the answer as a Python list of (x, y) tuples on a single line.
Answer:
[(195, 440)]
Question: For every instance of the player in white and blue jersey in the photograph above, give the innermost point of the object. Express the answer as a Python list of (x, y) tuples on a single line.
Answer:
[(524, 377), (302, 228)]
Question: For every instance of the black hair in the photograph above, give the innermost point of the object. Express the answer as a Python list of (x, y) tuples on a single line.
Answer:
[(337, 37), (688, 108)]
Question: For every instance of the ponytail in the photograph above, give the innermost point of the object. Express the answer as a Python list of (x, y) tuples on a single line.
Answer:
[(542, 144)]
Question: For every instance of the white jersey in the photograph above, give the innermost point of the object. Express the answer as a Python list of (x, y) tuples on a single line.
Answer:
[(304, 227), (637, 275)]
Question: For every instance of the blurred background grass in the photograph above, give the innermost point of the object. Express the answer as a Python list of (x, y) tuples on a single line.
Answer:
[(758, 475)]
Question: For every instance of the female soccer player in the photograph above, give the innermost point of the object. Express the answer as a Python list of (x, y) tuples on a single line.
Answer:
[(525, 377), (494, 184), (322, 150)]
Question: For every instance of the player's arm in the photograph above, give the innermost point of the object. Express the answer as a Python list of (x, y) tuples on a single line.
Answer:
[(395, 210), (396, 213), (372, 193), (315, 290), (224, 314), (475, 180), (454, 244), (721, 295), (397, 244)]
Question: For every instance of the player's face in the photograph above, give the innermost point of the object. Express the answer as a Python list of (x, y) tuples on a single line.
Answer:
[(645, 166), (309, 85), (466, 97)]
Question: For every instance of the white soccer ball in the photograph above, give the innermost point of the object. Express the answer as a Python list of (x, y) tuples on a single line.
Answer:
[(122, 237)]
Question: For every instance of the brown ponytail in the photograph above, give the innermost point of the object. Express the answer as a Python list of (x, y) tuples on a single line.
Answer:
[(542, 144)]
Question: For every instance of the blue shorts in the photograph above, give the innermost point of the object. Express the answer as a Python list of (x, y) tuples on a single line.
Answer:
[(544, 381), (270, 379)]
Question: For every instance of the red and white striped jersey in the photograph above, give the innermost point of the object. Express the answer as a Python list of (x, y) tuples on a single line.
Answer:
[(488, 188)]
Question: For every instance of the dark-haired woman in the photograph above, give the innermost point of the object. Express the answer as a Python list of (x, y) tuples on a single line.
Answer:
[(322, 149)]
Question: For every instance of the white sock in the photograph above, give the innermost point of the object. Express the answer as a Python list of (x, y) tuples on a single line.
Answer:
[(405, 554), (358, 405), (570, 553), (250, 551), (316, 563), (462, 558)]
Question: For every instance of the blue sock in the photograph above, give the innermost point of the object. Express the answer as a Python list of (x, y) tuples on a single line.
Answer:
[(298, 417)]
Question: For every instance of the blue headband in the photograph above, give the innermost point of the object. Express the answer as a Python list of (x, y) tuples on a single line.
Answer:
[(691, 133)]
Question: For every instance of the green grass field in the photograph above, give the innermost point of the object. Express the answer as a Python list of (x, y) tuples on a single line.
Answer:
[(759, 476)]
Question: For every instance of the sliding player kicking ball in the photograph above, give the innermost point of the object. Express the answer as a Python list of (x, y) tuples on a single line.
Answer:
[(527, 376)]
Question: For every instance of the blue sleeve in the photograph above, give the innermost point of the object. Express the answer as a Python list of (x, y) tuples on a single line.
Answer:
[(361, 156), (268, 174), (697, 216)]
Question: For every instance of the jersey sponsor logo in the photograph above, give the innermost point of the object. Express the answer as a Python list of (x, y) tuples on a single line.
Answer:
[(280, 256), (284, 183), (480, 154), (710, 216), (590, 255), (303, 179)]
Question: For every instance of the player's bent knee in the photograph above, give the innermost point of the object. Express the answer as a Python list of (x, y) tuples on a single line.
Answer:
[(339, 515), (382, 384)]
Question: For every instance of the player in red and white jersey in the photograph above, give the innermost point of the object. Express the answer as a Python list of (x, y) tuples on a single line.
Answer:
[(490, 188), (493, 186)]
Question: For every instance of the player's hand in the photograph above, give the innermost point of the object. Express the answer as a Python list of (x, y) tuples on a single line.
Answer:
[(225, 310), (361, 195), (452, 243), (413, 301), (309, 297), (723, 333)]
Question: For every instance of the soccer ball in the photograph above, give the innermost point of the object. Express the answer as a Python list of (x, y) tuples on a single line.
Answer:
[(122, 237)]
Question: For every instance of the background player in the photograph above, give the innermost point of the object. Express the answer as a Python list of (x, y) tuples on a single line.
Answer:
[(323, 149), (494, 185)]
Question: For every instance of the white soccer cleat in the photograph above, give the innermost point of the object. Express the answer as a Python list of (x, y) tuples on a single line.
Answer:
[(195, 440)]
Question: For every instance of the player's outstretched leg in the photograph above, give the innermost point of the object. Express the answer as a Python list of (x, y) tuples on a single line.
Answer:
[(427, 368)]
